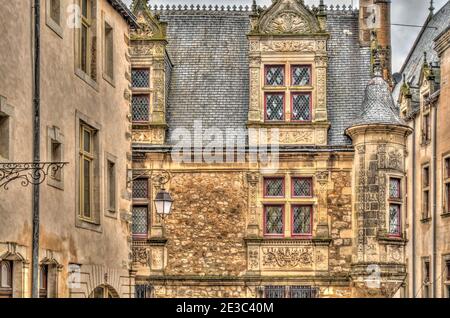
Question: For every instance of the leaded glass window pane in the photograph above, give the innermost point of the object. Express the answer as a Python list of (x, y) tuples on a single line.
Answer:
[(274, 291), (140, 78), (274, 187), (275, 75), (302, 187), (274, 106), (140, 220), (140, 189), (394, 219), (140, 107), (274, 220), (301, 107), (301, 75), (394, 188), (301, 219), (303, 292)]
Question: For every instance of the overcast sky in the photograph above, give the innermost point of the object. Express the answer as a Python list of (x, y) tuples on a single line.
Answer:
[(403, 12)]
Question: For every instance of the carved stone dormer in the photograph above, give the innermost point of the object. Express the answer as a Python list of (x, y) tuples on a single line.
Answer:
[(288, 73), (150, 64)]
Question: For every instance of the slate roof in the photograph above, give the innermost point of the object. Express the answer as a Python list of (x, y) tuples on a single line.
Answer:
[(434, 25), (378, 106), (124, 12), (210, 80)]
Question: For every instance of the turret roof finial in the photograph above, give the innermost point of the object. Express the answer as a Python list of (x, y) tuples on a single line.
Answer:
[(431, 8), (254, 6)]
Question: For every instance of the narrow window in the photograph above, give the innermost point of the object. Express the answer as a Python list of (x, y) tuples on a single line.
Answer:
[(302, 220), (302, 187), (273, 219), (447, 268), (140, 78), (142, 291), (426, 279), (274, 75), (426, 127), (86, 171), (111, 185), (43, 281), (56, 156), (109, 51), (301, 107), (301, 75), (447, 185), (394, 220), (6, 282), (140, 222), (140, 188), (274, 106), (5, 136), (87, 39), (274, 292), (426, 192), (273, 187), (394, 188), (140, 108), (55, 11)]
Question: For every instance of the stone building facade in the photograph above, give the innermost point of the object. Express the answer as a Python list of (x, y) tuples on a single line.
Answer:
[(423, 100), (85, 241), (325, 217)]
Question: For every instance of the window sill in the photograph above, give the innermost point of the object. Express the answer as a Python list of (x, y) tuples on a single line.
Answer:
[(55, 27), (86, 78), (57, 184), (445, 215), (88, 225), (112, 214), (425, 220), (109, 80)]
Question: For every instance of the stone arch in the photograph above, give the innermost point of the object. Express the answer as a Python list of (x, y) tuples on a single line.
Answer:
[(53, 275), (20, 268), (104, 291)]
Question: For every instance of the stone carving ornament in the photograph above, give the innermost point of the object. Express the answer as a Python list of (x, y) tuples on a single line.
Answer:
[(287, 46), (287, 257), (140, 255), (288, 22)]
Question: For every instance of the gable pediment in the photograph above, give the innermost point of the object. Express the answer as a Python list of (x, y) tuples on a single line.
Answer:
[(150, 27), (287, 17)]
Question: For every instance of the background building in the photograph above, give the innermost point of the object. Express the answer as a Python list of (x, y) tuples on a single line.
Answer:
[(330, 221), (85, 71), (423, 100)]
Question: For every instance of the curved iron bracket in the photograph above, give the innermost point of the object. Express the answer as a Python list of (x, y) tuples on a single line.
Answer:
[(157, 176), (27, 172)]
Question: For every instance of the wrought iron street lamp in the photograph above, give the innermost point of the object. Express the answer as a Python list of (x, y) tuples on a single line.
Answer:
[(163, 203)]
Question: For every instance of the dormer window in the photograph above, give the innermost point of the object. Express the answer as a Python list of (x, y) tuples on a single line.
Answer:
[(274, 75)]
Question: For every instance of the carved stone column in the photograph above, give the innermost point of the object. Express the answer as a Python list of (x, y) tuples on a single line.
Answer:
[(253, 224), (254, 113), (322, 208), (321, 62)]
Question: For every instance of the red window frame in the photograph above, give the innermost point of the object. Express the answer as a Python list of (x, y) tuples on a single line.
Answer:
[(141, 236), (310, 74), (265, 106), (265, 206), (267, 66), (265, 179), (399, 181), (301, 178), (399, 227), (311, 211), (310, 106)]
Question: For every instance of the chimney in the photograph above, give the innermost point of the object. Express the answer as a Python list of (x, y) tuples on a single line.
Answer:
[(375, 31)]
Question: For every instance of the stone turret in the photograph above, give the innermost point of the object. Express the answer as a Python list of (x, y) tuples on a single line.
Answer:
[(379, 137)]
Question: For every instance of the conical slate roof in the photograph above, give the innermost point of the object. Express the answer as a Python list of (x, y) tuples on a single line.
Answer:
[(378, 106)]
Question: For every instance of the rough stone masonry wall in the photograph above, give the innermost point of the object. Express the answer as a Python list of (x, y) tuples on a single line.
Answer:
[(207, 227), (340, 211)]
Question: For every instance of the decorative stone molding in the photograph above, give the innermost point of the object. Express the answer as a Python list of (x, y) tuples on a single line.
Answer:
[(288, 46), (151, 136)]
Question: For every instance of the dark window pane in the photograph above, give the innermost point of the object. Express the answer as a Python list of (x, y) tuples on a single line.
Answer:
[(275, 75), (140, 188), (274, 291), (86, 140), (274, 219), (302, 187), (142, 291), (301, 75), (111, 185), (394, 219), (6, 274), (274, 106), (140, 107), (55, 11), (303, 292), (447, 266), (87, 188), (301, 220), (274, 187), (140, 78), (447, 194), (84, 7), (84, 45), (301, 107), (447, 168), (140, 220)]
